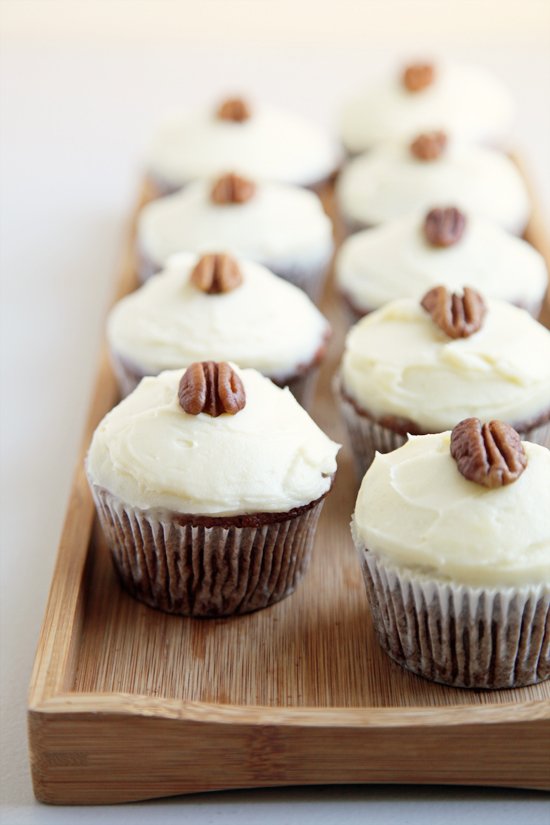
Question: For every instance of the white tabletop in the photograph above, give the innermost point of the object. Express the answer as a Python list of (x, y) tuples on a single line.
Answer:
[(77, 107)]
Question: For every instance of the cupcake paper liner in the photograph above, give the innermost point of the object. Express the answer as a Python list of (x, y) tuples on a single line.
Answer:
[(302, 385), (310, 278), (462, 636), (367, 436), (191, 566), (159, 186), (353, 312)]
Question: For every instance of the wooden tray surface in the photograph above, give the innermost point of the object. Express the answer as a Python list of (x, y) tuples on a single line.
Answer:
[(128, 703)]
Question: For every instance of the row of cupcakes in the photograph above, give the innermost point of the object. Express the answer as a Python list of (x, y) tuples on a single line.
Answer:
[(209, 483), (452, 518)]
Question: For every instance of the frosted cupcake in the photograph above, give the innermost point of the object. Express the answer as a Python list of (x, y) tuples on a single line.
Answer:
[(454, 539), (421, 367), (257, 141), (208, 485), (398, 178), (280, 226), (407, 256), (466, 101), (217, 308)]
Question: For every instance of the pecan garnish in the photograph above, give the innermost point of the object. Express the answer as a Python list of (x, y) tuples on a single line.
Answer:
[(234, 108), (211, 388), (418, 76), (429, 145), (216, 273), (444, 227), (232, 188), (489, 454), (458, 316)]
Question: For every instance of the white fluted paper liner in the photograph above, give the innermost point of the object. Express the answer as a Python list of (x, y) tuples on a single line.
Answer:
[(309, 277), (353, 313), (175, 564), (458, 635), (538, 435), (367, 437), (302, 387)]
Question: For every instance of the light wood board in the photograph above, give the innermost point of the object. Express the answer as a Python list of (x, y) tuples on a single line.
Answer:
[(128, 703)]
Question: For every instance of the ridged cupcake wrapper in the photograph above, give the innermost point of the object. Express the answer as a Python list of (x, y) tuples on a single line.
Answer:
[(538, 435), (353, 313), (310, 278), (182, 567), (368, 436), (302, 387), (458, 635), (161, 187)]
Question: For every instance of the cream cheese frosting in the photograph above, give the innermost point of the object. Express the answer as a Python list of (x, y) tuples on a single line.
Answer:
[(265, 322), (395, 260), (398, 362), (389, 182), (280, 225), (271, 145), (416, 510), (466, 101), (269, 457)]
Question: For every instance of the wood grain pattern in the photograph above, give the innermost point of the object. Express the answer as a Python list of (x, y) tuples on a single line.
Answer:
[(128, 703)]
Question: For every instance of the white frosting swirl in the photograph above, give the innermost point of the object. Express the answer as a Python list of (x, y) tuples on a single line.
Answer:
[(416, 510), (269, 457), (394, 260), (281, 226), (389, 182), (265, 323), (398, 362), (465, 101), (270, 145)]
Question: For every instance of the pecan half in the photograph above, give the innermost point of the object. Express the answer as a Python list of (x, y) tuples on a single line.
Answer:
[(444, 227), (429, 145), (458, 316), (232, 188), (234, 108), (211, 388), (418, 76), (216, 273), (489, 454)]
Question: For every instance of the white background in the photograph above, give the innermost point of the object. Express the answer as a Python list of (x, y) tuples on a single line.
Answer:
[(82, 85)]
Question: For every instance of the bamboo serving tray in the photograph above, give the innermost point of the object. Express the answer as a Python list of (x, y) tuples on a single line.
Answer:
[(128, 703)]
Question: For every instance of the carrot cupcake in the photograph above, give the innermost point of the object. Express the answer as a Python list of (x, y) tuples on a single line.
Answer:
[(407, 256), (398, 178), (215, 307), (254, 140), (208, 485), (466, 101), (453, 534), (283, 227), (420, 367)]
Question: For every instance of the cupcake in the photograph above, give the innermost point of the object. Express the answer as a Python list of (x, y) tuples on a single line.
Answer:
[(466, 101), (409, 255), (256, 141), (216, 308), (453, 535), (208, 486), (280, 226), (421, 367), (398, 178)]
